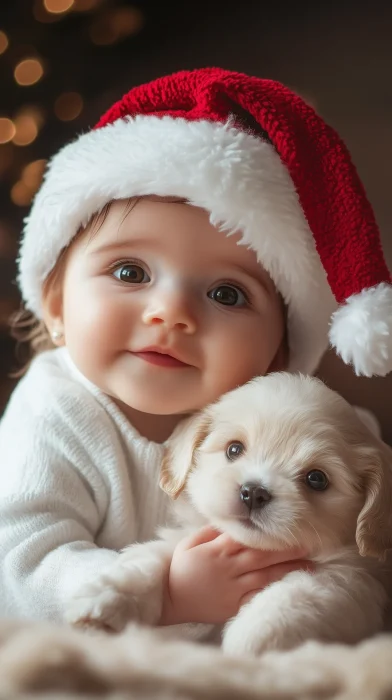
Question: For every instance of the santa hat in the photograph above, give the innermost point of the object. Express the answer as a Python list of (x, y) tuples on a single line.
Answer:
[(261, 161)]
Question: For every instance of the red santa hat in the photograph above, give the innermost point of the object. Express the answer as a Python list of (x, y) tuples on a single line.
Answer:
[(261, 161)]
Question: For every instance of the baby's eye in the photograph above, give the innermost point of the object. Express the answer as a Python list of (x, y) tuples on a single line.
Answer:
[(131, 273), (228, 295)]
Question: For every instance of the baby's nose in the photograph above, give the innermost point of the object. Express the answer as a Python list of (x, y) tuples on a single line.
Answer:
[(171, 311), (254, 496)]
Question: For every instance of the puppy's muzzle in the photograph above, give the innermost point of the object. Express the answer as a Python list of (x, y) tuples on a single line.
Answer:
[(254, 496)]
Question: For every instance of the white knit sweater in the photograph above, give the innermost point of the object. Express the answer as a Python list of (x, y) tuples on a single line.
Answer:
[(77, 483)]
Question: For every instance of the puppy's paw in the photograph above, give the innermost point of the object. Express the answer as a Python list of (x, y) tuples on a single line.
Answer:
[(236, 642), (104, 609), (239, 640)]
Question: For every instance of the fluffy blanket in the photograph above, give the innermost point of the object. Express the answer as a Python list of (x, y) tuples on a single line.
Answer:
[(43, 661)]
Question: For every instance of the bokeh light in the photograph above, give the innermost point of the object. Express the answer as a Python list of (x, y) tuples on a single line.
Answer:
[(68, 106), (29, 71), (23, 191), (42, 15), (32, 174), (113, 26), (26, 130), (4, 43), (35, 112), (7, 130), (20, 194), (58, 7), (127, 20)]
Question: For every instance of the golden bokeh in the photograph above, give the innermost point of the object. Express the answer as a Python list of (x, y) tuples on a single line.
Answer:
[(68, 106), (20, 194), (35, 112), (3, 42), (26, 130), (29, 71), (42, 15), (58, 7), (116, 25), (23, 191), (32, 174), (127, 20), (7, 130)]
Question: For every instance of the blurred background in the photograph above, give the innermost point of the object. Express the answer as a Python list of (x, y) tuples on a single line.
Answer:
[(63, 62)]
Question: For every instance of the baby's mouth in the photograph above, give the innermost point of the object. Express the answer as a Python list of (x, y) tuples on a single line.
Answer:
[(160, 359)]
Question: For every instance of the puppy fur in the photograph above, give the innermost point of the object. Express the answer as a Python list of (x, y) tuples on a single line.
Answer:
[(289, 426)]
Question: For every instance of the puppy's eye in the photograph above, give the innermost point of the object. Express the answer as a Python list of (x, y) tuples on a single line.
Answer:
[(234, 450), (317, 480)]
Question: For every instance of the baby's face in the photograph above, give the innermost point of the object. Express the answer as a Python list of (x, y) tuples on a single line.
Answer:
[(164, 312)]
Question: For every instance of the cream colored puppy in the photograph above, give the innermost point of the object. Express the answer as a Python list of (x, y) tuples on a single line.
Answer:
[(280, 462)]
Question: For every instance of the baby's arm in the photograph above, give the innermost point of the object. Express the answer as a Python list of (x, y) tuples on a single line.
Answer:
[(53, 503), (46, 550), (205, 578), (47, 527)]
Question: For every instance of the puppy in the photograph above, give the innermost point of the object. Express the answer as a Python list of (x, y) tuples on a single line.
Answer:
[(279, 462)]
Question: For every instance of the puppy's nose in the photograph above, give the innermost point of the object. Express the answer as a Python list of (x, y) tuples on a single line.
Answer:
[(254, 496)]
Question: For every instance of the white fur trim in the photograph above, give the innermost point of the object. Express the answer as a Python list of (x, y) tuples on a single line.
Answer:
[(237, 177), (361, 331)]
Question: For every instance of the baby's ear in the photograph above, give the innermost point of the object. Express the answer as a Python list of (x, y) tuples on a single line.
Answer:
[(374, 525), (180, 452), (52, 301)]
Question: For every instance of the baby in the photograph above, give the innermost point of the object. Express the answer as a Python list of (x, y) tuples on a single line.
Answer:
[(203, 233)]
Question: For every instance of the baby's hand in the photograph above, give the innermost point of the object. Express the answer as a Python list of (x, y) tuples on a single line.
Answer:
[(211, 577)]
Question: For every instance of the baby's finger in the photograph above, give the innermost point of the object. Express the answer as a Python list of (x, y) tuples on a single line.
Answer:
[(257, 580), (202, 536), (247, 560), (224, 543)]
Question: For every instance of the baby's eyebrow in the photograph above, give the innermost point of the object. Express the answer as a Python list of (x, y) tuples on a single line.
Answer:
[(262, 280), (122, 244)]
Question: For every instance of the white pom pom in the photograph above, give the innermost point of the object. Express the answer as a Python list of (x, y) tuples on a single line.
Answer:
[(361, 331)]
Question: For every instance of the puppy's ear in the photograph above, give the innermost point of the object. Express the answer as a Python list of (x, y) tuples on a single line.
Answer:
[(374, 525), (179, 456)]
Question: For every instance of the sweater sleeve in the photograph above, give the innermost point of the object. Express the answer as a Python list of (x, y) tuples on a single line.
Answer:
[(53, 501)]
